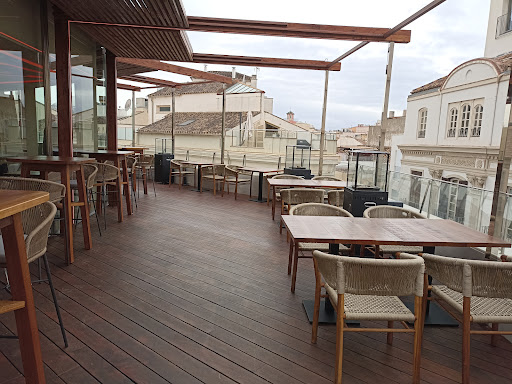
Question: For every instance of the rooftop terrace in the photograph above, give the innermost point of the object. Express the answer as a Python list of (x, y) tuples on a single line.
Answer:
[(193, 288)]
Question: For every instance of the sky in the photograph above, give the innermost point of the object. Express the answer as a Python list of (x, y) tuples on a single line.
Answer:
[(449, 35)]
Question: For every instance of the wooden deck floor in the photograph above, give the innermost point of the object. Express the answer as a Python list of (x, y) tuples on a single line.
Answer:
[(193, 288)]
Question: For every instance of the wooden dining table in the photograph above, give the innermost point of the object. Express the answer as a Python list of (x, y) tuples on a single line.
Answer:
[(299, 183), (119, 160), (198, 165), (12, 204), (427, 233), (65, 166), (138, 150)]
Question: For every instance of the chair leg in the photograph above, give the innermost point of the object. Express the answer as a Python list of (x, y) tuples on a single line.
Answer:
[(290, 257), (224, 187), (55, 302), (153, 179), (340, 324), (418, 336), (390, 334), (316, 312), (180, 181), (95, 211), (236, 189), (466, 347)]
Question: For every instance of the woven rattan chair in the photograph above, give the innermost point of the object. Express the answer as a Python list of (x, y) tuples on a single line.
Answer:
[(233, 176), (178, 169), (391, 212), (312, 209), (480, 291), (362, 289), (57, 191), (131, 165), (36, 226), (335, 197), (277, 194), (146, 164), (107, 175), (295, 196), (215, 173), (90, 172)]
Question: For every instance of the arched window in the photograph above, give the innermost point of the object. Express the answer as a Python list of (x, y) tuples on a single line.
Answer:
[(465, 120), (454, 115), (422, 122), (477, 124)]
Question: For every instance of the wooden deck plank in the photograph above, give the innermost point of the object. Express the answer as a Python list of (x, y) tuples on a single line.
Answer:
[(193, 288)]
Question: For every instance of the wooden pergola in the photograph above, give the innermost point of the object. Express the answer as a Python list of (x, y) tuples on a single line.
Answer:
[(137, 39)]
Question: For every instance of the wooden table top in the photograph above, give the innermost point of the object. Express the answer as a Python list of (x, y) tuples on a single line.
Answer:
[(62, 160), (12, 201), (376, 231), (197, 162), (132, 148), (260, 170), (306, 183), (105, 152)]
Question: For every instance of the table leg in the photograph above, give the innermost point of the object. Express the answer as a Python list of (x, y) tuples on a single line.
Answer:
[(273, 202), (84, 208), (260, 187), (295, 264), (126, 186), (68, 215), (21, 290), (145, 179)]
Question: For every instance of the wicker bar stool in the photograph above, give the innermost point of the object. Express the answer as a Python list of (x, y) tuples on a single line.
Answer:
[(391, 212), (90, 172), (312, 209), (328, 178), (36, 226), (107, 175), (368, 289), (478, 290)]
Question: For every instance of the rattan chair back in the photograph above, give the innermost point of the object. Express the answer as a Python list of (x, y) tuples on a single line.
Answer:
[(335, 197), (106, 173), (57, 191), (285, 176), (294, 196), (318, 209), (391, 212), (328, 178)]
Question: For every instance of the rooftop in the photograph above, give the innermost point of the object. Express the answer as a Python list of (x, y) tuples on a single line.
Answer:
[(198, 293)]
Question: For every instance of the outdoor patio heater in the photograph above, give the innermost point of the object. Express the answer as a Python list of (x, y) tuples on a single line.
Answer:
[(298, 160), (367, 181), (162, 161)]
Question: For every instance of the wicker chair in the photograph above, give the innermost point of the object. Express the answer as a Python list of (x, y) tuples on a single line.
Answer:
[(233, 175), (368, 289), (36, 226), (312, 209), (277, 194), (178, 169), (391, 212), (107, 175), (90, 172), (215, 173), (480, 291), (328, 178), (335, 197), (146, 164), (294, 196), (131, 165), (57, 191)]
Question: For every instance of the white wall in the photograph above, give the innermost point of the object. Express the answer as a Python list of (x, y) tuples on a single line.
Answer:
[(495, 46)]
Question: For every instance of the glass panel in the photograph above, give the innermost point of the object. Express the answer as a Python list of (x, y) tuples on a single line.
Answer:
[(22, 116)]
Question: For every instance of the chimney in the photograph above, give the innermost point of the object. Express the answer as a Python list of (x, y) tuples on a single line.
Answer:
[(391, 114), (233, 73), (404, 113), (206, 67)]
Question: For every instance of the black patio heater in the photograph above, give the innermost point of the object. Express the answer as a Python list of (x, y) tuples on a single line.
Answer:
[(367, 181), (298, 160)]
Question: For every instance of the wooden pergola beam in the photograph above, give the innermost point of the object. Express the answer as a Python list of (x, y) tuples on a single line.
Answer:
[(310, 31), (150, 80), (263, 62), (160, 66), (128, 87)]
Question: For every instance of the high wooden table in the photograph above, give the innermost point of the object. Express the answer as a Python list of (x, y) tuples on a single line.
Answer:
[(261, 174), (198, 165), (119, 160), (299, 183), (427, 233), (65, 166), (138, 150), (12, 203)]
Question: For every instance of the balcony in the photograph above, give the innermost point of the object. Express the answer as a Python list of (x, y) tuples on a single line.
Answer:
[(504, 24), (200, 293)]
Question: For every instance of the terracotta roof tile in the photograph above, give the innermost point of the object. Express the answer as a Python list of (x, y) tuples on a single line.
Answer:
[(198, 123)]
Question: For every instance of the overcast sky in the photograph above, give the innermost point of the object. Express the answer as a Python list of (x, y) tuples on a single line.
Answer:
[(452, 33)]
